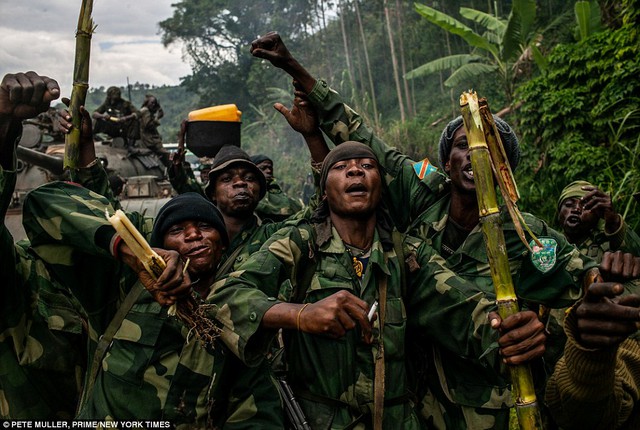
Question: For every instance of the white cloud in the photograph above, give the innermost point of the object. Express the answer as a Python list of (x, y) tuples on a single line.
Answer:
[(40, 35)]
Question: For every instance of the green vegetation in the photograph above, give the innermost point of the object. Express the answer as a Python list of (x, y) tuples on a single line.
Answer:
[(578, 117), (582, 121)]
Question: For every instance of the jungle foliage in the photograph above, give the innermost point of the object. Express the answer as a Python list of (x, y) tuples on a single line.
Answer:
[(581, 120), (578, 116)]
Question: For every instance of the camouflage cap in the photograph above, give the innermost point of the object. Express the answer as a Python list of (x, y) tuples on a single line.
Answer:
[(509, 140), (233, 155), (573, 190)]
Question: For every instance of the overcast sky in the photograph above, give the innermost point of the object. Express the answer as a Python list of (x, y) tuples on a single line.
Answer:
[(40, 35)]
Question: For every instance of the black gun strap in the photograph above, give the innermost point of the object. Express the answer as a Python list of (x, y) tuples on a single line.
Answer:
[(106, 338)]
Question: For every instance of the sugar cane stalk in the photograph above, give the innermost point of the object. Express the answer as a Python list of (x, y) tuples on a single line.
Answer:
[(187, 310), (523, 389), (84, 32)]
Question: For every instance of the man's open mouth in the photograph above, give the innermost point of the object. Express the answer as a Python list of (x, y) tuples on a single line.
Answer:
[(467, 171), (356, 189)]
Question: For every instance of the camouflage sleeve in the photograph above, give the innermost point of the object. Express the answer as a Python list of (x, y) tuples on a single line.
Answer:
[(68, 230), (94, 178), (408, 197), (41, 326), (265, 279), (183, 180), (448, 309), (10, 260), (631, 241), (7, 185), (552, 277), (594, 388), (61, 213)]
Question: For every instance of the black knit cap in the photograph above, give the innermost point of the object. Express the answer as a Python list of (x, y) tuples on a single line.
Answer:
[(259, 158), (233, 155), (345, 151), (509, 140), (187, 207)]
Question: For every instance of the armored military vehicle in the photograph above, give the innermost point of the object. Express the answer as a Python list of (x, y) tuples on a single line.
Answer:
[(40, 160)]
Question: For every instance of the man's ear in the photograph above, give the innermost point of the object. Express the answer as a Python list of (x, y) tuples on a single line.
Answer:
[(447, 167)]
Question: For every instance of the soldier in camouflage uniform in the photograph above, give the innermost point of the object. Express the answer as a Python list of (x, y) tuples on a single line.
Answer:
[(151, 369), (117, 117), (275, 205), (173, 378), (353, 261), (42, 326), (150, 114), (442, 210), (589, 221)]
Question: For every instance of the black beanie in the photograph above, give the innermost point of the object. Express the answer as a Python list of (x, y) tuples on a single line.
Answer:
[(345, 151), (228, 155), (509, 140), (187, 207), (259, 158)]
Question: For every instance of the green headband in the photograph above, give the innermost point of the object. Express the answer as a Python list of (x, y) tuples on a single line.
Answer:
[(573, 190)]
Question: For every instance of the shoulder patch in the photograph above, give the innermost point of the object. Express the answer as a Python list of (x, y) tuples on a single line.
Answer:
[(423, 168), (544, 258)]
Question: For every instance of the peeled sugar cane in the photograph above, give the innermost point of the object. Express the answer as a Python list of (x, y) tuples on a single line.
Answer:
[(187, 309), (527, 408)]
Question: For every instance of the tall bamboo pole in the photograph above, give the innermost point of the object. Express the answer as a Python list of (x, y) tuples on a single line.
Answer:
[(84, 32), (521, 379)]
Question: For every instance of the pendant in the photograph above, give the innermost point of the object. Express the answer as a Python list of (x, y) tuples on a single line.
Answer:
[(357, 266)]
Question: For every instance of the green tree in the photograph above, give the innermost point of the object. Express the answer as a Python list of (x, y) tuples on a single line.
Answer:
[(498, 51), (216, 35), (582, 119)]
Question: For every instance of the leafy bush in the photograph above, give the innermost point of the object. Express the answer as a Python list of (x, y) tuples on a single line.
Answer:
[(582, 120)]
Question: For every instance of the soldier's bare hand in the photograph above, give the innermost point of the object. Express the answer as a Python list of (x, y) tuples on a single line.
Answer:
[(619, 266), (25, 95), (178, 157), (599, 202), (604, 318), (172, 283), (87, 147), (302, 117), (333, 316), (522, 336), (271, 47)]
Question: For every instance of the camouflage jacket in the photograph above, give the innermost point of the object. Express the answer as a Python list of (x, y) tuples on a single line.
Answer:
[(150, 370), (276, 205), (599, 242), (459, 392), (42, 332), (334, 378)]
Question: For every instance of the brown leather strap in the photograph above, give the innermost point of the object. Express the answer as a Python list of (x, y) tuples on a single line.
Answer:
[(378, 387)]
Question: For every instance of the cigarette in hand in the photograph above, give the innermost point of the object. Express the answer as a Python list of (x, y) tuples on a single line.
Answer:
[(372, 311)]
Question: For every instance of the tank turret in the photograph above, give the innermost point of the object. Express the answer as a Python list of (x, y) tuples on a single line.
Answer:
[(40, 154)]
